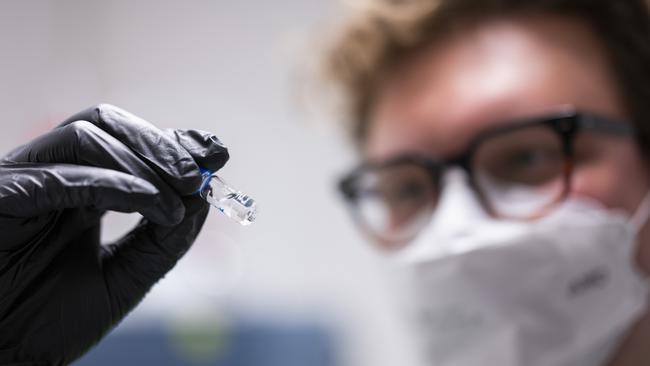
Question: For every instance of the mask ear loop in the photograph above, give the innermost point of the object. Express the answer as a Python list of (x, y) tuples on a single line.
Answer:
[(642, 213)]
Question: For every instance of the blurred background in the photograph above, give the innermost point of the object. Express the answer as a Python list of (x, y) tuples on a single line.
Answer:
[(300, 286)]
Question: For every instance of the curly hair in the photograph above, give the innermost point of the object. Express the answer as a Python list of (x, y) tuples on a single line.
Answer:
[(385, 32)]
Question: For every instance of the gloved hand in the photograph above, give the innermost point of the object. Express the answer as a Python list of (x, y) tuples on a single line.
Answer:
[(60, 289)]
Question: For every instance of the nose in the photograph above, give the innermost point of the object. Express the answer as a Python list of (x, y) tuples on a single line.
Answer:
[(459, 210)]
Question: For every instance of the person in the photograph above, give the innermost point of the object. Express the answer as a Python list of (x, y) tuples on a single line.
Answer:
[(61, 290), (505, 152), (505, 160)]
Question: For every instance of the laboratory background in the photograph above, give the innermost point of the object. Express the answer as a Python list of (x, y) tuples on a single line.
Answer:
[(299, 286)]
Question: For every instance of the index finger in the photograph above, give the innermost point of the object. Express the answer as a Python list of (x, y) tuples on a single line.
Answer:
[(160, 151)]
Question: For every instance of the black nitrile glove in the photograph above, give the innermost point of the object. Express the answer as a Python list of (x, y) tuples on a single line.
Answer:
[(61, 291)]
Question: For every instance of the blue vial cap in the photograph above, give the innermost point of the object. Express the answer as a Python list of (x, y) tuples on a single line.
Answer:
[(206, 174)]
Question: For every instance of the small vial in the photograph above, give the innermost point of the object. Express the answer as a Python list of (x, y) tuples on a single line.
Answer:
[(232, 203)]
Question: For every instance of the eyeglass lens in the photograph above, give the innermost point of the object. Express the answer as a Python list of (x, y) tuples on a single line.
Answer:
[(521, 173)]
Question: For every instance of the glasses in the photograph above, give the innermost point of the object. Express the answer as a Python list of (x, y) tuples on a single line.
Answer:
[(518, 171)]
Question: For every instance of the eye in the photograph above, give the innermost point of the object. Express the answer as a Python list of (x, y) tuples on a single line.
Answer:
[(410, 190), (529, 156)]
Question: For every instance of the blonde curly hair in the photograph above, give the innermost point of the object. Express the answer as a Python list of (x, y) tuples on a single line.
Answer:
[(382, 33)]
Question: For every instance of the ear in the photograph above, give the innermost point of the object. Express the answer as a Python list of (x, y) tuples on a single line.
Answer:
[(643, 249), (641, 219)]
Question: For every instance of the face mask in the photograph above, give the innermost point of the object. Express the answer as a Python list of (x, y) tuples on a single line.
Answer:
[(560, 291)]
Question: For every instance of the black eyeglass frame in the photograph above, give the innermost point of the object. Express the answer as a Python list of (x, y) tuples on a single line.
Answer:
[(567, 123)]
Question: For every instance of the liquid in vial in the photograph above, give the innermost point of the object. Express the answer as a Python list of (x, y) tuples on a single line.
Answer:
[(234, 204)]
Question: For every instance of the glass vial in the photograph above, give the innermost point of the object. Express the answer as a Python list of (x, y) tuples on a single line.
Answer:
[(234, 204)]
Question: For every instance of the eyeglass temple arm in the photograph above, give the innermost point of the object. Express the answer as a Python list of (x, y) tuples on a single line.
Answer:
[(605, 125)]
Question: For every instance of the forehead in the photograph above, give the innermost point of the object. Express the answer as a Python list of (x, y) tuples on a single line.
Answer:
[(496, 71)]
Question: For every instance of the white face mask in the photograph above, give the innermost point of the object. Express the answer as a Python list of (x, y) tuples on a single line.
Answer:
[(560, 291)]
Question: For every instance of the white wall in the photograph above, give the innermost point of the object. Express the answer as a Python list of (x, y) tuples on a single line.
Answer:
[(228, 67)]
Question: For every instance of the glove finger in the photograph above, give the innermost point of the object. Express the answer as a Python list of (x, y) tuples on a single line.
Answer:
[(29, 190), (137, 261), (205, 148), (83, 143), (161, 152)]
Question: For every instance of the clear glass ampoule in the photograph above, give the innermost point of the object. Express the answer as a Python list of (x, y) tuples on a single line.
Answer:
[(234, 204)]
